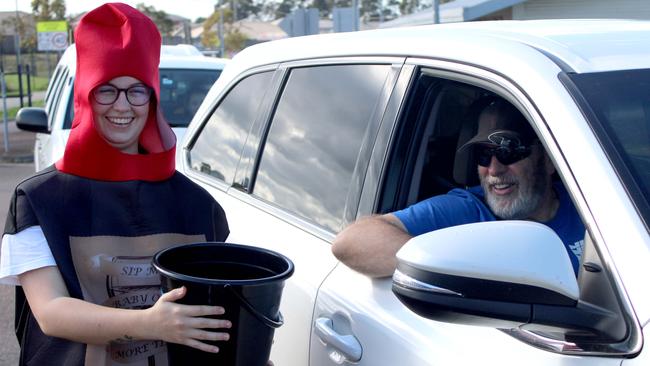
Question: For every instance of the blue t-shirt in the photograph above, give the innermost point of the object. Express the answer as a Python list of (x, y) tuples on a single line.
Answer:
[(465, 206)]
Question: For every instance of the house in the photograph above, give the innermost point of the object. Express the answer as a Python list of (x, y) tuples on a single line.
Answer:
[(473, 10), (8, 29)]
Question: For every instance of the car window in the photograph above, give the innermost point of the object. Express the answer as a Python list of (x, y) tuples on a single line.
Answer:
[(57, 94), (625, 120), (182, 91), (315, 138), (52, 85), (69, 112), (218, 146)]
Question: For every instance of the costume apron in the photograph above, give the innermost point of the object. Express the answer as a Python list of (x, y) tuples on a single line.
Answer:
[(102, 236), (104, 213)]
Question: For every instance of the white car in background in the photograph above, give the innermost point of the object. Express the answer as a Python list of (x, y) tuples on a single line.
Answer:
[(300, 137), (186, 75)]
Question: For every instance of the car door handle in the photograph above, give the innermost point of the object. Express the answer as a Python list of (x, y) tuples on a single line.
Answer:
[(347, 345)]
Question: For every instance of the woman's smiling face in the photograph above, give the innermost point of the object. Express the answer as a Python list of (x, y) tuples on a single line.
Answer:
[(120, 123)]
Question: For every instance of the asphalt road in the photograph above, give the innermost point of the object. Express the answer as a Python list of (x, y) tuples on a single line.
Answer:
[(10, 175)]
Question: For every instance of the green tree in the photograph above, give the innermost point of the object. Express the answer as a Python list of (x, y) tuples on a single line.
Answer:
[(342, 3), (159, 17), (58, 8), (324, 7), (48, 10), (285, 8), (245, 9), (209, 37), (370, 9), (408, 6), (234, 41)]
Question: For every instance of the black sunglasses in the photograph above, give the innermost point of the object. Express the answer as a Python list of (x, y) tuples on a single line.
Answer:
[(505, 155)]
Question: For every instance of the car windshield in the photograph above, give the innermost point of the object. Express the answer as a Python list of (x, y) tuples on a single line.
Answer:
[(181, 94), (620, 101), (182, 91)]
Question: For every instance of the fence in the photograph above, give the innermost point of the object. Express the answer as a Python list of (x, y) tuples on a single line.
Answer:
[(41, 64)]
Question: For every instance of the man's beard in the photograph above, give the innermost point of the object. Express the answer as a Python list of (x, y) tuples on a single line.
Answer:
[(528, 196)]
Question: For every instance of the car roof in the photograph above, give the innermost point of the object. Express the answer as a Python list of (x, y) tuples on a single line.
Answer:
[(186, 56), (574, 45), (171, 57)]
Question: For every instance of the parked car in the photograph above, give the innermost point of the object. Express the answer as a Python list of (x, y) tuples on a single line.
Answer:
[(300, 137), (185, 77)]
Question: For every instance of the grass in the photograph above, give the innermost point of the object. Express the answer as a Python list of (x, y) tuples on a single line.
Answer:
[(41, 65), (38, 83), (11, 112)]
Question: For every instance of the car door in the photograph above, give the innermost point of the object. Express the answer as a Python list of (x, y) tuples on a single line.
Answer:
[(358, 320), (292, 177)]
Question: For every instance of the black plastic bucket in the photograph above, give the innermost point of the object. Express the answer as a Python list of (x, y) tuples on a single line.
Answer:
[(247, 281)]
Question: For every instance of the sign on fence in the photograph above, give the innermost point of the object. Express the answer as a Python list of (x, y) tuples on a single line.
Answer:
[(52, 35)]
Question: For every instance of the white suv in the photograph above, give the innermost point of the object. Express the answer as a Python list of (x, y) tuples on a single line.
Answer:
[(300, 137), (185, 78)]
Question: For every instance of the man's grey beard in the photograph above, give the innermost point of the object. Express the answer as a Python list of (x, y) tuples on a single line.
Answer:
[(529, 194)]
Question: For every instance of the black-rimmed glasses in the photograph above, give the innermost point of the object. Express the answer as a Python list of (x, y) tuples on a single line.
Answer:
[(136, 95)]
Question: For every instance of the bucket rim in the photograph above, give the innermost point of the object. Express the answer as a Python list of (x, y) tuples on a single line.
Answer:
[(208, 281)]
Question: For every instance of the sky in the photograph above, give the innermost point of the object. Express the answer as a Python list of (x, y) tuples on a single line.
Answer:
[(190, 9)]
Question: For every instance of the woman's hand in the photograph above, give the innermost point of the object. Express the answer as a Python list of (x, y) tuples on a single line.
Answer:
[(185, 324)]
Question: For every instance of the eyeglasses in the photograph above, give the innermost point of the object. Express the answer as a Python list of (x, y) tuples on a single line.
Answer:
[(136, 95), (505, 155)]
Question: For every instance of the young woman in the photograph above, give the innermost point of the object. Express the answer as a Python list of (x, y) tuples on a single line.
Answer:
[(80, 234)]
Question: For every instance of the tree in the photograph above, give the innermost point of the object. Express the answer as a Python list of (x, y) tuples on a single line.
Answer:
[(285, 8), (159, 17), (48, 10), (409, 6), (58, 8), (342, 3), (324, 7), (234, 41), (370, 9), (245, 8), (209, 37)]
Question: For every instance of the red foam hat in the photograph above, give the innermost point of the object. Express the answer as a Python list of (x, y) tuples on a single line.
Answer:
[(117, 40)]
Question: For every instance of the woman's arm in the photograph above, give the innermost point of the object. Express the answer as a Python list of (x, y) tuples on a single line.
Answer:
[(62, 316)]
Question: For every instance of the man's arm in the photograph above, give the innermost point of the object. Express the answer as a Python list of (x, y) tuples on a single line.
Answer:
[(369, 245)]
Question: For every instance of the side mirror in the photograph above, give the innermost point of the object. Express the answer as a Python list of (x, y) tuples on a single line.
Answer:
[(32, 119), (501, 274)]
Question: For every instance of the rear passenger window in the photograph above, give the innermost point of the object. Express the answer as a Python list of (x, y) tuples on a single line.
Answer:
[(57, 95), (315, 138), (217, 149)]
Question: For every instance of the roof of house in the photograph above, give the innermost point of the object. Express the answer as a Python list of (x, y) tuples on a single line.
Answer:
[(454, 11)]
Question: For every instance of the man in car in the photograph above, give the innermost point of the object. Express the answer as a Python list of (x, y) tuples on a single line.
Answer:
[(516, 178)]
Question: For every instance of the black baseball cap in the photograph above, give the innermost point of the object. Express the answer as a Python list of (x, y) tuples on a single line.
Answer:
[(501, 124)]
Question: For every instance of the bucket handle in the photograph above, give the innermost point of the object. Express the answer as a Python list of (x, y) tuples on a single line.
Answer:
[(271, 323)]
